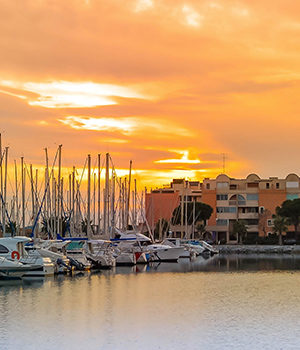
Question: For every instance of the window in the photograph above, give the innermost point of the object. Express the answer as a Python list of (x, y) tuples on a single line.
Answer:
[(233, 187), (292, 196), (252, 197), (267, 185), (251, 222), (252, 210), (222, 197), (226, 209), (270, 223), (222, 222), (252, 184), (3, 249), (207, 186), (292, 184), (222, 184), (277, 185), (261, 210)]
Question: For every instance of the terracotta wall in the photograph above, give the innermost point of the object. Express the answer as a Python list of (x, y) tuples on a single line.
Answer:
[(209, 197), (160, 205)]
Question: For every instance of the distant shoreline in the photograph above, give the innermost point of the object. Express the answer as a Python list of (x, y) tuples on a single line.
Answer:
[(258, 249)]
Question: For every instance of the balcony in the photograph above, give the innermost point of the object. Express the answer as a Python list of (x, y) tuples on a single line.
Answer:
[(234, 202), (248, 215)]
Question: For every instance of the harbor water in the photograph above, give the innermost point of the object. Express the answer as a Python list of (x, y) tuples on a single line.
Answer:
[(224, 302)]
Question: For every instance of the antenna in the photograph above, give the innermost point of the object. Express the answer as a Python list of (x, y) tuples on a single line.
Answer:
[(224, 156)]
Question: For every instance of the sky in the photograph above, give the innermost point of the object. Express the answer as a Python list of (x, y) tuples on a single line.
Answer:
[(170, 84)]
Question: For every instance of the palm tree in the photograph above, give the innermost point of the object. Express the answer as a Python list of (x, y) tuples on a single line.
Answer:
[(280, 225), (239, 229)]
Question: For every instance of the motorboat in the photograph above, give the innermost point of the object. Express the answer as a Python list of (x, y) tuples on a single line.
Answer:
[(13, 248), (75, 251), (10, 269), (156, 252), (162, 252), (100, 254), (177, 242), (51, 249)]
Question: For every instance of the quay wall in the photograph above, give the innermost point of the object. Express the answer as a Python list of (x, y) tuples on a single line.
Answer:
[(258, 249)]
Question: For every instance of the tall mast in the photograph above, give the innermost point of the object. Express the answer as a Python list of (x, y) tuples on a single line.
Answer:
[(73, 203), (134, 204), (59, 225), (99, 192), (113, 203), (106, 195), (128, 195), (36, 198), (88, 217), (23, 196), (94, 200), (16, 198), (32, 197), (47, 187), (5, 192), (1, 174)]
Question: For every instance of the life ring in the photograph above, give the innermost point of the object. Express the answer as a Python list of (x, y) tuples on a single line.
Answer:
[(15, 254)]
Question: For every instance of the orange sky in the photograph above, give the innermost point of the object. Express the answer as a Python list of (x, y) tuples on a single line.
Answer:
[(170, 84)]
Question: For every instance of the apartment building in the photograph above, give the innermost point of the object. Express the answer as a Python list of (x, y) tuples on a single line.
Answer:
[(161, 202), (252, 200)]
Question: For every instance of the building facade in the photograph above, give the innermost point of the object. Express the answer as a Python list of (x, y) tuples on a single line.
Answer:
[(161, 202), (253, 200)]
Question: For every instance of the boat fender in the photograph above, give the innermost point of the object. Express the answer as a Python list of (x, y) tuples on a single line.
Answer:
[(15, 254)]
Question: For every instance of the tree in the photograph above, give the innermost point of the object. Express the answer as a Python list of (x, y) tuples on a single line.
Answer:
[(239, 229), (290, 209), (11, 227), (201, 229), (48, 225), (202, 212), (280, 224)]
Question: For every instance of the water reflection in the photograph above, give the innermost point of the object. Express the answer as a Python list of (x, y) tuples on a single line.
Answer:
[(160, 306), (217, 263)]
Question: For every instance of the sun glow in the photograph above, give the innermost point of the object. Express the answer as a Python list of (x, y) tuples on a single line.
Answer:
[(125, 126), (183, 160), (66, 94)]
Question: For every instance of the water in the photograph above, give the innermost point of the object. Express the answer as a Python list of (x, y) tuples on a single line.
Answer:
[(250, 302)]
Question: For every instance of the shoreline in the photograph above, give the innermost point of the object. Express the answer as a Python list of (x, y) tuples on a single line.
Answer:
[(258, 249)]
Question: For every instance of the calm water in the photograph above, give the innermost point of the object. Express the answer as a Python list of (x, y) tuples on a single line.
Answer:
[(221, 303)]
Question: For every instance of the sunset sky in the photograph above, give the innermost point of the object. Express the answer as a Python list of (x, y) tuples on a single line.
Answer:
[(170, 84)]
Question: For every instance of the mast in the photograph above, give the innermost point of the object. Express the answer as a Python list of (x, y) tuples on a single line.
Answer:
[(59, 224), (36, 198), (32, 196), (128, 195), (106, 195), (23, 196), (94, 200), (47, 188), (88, 217), (5, 192), (72, 217), (1, 173), (16, 198), (135, 204), (99, 192), (181, 212), (113, 203)]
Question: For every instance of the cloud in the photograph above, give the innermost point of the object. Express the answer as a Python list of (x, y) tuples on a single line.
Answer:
[(71, 94), (192, 17), (126, 126)]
